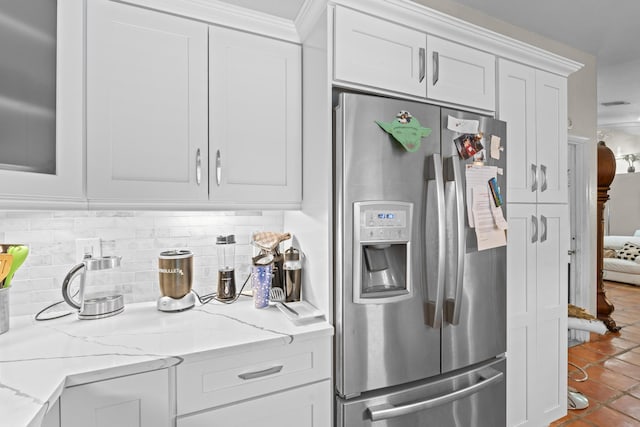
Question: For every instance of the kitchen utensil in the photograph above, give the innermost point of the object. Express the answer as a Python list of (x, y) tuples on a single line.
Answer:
[(95, 307), (278, 296), (175, 268), (19, 255), (5, 267)]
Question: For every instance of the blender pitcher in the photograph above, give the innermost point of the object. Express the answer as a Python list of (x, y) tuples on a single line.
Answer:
[(226, 248)]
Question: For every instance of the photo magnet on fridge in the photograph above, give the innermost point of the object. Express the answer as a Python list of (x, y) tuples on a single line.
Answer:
[(406, 129), (468, 145)]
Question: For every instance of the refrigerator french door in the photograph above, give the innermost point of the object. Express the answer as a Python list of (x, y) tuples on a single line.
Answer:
[(419, 311)]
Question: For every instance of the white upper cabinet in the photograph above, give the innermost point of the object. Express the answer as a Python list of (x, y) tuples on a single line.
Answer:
[(146, 105), (255, 98), (41, 101), (386, 56), (377, 53), (534, 105), (459, 74)]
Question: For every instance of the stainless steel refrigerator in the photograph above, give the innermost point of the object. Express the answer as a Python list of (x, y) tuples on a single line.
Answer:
[(419, 311)]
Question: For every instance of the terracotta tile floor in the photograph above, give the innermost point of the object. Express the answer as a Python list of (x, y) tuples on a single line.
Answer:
[(613, 364)]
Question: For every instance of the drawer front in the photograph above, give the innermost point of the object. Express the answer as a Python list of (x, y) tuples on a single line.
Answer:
[(221, 380)]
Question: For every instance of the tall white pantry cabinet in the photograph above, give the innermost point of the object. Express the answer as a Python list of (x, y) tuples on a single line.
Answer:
[(534, 105)]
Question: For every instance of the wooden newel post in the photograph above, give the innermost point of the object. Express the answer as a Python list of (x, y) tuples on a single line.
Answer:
[(606, 173)]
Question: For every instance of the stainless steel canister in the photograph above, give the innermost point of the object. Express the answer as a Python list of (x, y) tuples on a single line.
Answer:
[(175, 269)]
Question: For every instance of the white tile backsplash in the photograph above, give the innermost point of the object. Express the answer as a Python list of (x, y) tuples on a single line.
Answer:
[(137, 236)]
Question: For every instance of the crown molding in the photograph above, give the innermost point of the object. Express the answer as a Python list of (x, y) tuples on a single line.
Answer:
[(224, 14)]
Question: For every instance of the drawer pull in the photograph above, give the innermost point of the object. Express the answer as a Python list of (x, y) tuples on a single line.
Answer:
[(263, 373)]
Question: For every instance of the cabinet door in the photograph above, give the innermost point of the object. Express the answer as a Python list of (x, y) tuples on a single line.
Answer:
[(255, 106), (140, 400), (551, 300), (146, 105), (373, 52), (460, 74), (307, 406), (517, 106), (41, 101), (537, 313), (551, 125), (521, 314)]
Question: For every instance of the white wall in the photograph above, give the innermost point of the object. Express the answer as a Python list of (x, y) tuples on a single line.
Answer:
[(624, 204), (138, 237)]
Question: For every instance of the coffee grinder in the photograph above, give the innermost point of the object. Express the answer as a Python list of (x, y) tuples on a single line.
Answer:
[(226, 249)]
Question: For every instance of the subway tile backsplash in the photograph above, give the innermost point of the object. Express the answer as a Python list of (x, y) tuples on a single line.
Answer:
[(137, 236)]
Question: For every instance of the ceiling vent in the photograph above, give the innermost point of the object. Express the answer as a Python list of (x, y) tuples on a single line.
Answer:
[(614, 103)]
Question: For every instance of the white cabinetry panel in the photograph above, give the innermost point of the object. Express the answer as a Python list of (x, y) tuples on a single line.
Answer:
[(255, 103), (146, 105), (377, 53), (537, 313), (534, 105), (460, 74), (140, 400), (306, 406)]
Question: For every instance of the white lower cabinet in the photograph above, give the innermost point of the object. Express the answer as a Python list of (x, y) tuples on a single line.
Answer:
[(282, 385), (538, 241), (141, 400), (306, 406)]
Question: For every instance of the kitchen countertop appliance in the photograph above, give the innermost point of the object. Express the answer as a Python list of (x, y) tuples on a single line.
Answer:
[(93, 273), (420, 311), (175, 270), (226, 251)]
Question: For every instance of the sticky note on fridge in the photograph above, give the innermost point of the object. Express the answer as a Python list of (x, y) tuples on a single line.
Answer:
[(495, 147), (462, 126), (500, 171)]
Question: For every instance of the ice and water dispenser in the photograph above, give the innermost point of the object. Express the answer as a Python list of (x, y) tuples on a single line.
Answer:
[(382, 251)]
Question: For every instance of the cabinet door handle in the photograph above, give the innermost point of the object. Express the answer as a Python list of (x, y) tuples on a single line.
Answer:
[(534, 178), (421, 56), (263, 373), (543, 224), (218, 168), (436, 67), (534, 228), (543, 178), (198, 167)]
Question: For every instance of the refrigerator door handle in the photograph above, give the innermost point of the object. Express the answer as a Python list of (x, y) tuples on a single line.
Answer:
[(452, 305), (387, 411), (433, 306)]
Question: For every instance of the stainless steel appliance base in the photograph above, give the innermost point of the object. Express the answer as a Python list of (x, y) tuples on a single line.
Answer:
[(176, 304), (101, 307)]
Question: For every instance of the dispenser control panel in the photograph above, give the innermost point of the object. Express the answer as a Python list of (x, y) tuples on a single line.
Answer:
[(384, 220)]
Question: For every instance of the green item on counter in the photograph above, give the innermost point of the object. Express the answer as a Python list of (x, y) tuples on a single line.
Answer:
[(19, 255), (407, 130)]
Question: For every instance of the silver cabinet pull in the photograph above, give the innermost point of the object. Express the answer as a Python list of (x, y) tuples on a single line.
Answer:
[(198, 167), (436, 67), (259, 374), (543, 178), (218, 168), (435, 184), (456, 215), (534, 228), (534, 178), (388, 411), (543, 225), (421, 56)]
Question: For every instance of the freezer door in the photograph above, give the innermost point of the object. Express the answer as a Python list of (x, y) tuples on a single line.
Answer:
[(474, 398), (474, 316), (385, 338)]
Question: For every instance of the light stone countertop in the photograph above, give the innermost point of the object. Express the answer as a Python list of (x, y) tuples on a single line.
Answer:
[(39, 359)]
